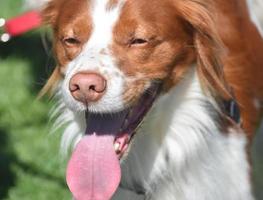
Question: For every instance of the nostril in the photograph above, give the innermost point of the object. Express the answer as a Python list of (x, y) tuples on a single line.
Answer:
[(74, 88), (92, 87), (98, 87)]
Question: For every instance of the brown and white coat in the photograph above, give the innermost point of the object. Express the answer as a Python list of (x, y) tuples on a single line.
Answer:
[(202, 51)]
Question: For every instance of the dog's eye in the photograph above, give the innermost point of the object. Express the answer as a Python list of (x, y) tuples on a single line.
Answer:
[(71, 41), (138, 42)]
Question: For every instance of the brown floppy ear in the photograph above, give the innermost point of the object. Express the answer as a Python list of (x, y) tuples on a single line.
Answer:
[(49, 15), (208, 46)]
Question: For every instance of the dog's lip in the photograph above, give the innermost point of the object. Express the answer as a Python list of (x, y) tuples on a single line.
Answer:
[(125, 123)]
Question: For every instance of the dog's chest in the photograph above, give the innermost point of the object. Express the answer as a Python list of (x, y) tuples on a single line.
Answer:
[(179, 153), (181, 171)]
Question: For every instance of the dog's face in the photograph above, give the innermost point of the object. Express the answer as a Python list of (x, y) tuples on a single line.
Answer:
[(114, 56), (124, 46), (121, 46)]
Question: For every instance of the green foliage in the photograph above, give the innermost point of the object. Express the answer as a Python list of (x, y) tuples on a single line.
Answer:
[(30, 166)]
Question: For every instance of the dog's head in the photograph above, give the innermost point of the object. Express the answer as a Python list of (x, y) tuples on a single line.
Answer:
[(111, 54)]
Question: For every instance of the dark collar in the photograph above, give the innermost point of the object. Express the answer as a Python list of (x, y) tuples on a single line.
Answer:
[(232, 110)]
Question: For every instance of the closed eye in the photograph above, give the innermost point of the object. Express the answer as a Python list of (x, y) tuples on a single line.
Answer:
[(138, 42), (71, 41)]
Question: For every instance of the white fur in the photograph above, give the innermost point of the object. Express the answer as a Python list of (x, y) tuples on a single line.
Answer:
[(180, 154), (73, 123), (256, 13), (96, 57)]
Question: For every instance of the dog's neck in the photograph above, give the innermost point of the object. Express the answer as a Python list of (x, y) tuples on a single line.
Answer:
[(180, 152)]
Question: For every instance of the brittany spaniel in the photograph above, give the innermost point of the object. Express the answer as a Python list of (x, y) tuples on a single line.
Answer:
[(151, 93)]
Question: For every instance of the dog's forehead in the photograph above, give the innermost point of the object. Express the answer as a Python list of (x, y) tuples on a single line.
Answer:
[(115, 18), (104, 15), (96, 14)]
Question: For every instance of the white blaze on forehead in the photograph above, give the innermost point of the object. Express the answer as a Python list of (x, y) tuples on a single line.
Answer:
[(103, 20), (96, 57)]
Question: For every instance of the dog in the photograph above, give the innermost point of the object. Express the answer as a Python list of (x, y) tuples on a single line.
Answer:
[(161, 98)]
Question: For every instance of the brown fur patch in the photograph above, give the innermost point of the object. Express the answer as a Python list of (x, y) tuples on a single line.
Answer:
[(167, 47), (243, 61)]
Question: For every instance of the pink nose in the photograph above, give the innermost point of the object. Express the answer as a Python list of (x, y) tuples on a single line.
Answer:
[(87, 87)]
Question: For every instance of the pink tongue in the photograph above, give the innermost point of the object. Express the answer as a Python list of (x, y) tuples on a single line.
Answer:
[(93, 171)]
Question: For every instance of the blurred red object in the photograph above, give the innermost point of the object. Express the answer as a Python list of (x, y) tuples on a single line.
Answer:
[(20, 24)]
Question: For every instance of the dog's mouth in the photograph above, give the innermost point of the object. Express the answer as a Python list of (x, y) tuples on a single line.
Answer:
[(94, 169)]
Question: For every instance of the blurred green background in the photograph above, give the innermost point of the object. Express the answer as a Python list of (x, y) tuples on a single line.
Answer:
[(30, 165)]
